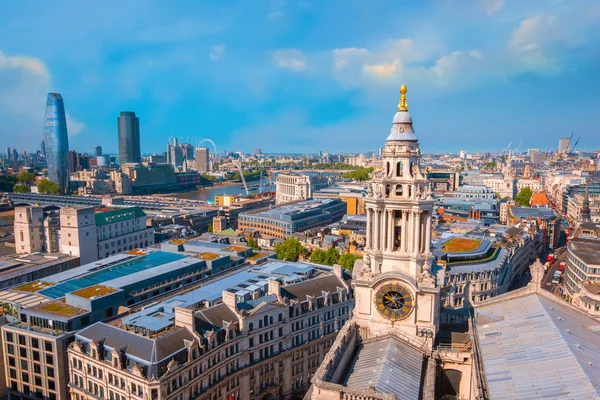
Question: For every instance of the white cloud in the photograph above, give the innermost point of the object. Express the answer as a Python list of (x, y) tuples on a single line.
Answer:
[(216, 52), (30, 64), (74, 127), (276, 9), (291, 59), (492, 6)]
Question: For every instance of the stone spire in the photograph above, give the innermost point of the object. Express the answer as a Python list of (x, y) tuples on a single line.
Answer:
[(585, 214)]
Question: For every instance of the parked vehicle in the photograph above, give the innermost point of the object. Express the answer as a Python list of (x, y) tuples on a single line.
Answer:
[(556, 277), (551, 258), (546, 267), (562, 266)]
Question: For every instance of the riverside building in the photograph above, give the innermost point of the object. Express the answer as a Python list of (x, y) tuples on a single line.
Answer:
[(297, 187)]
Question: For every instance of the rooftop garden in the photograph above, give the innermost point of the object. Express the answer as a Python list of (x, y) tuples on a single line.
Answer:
[(94, 291), (236, 249), (208, 256), (60, 308), (137, 252), (33, 287), (257, 256), (461, 245)]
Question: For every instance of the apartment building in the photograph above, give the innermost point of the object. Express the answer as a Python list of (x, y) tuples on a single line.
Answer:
[(260, 333), (583, 263), (51, 310)]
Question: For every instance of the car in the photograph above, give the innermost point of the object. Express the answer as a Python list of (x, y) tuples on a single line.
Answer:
[(556, 277), (562, 266)]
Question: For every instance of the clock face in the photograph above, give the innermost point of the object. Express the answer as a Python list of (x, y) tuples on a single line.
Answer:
[(394, 301)]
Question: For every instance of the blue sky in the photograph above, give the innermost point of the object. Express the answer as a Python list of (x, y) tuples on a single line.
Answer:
[(306, 75)]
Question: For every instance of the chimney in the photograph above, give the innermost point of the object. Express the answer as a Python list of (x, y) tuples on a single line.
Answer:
[(184, 317), (337, 271), (274, 287), (229, 299)]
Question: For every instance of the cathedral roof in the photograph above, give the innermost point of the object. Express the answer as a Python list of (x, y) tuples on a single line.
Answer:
[(402, 129)]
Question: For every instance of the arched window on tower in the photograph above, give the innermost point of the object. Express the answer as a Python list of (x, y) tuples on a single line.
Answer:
[(399, 169), (412, 169), (387, 191), (409, 191), (387, 168), (399, 190)]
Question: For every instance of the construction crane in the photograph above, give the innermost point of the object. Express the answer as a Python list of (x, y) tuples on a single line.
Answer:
[(238, 164), (572, 149), (507, 148)]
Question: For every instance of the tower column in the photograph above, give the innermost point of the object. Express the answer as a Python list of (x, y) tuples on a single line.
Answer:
[(404, 232), (391, 230), (428, 234), (369, 228), (384, 230), (376, 234), (416, 227)]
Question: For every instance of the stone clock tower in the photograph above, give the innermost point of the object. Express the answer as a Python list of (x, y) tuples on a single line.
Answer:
[(394, 288)]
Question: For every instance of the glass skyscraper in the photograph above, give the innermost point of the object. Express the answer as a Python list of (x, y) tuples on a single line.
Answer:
[(56, 141), (129, 138)]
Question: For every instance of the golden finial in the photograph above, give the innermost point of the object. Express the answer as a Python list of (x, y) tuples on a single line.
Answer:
[(403, 105)]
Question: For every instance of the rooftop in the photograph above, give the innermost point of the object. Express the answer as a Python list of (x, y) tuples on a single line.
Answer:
[(391, 366), (120, 214), (94, 291), (461, 245), (33, 287), (22, 264), (534, 347), (59, 308)]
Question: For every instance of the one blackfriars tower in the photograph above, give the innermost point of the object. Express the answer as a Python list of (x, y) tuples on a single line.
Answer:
[(129, 138), (56, 141)]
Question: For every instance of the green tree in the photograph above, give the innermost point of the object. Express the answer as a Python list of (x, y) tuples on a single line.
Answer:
[(290, 249), (7, 182), (48, 187), (524, 196), (252, 243), (332, 256), (329, 257), (21, 189), (26, 177), (347, 261), (360, 174), (318, 256), (210, 228), (490, 165)]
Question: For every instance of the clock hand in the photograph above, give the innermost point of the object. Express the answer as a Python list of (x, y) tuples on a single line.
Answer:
[(391, 299)]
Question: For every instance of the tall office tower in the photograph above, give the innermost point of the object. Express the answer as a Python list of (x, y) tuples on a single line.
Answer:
[(563, 145), (8, 154), (98, 150), (188, 151), (202, 159), (15, 155), (72, 161), (57, 141), (43, 148), (129, 138)]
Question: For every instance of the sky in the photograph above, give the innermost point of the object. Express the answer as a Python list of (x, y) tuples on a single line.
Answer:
[(304, 76)]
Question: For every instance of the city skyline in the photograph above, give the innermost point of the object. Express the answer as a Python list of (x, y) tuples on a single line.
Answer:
[(304, 79)]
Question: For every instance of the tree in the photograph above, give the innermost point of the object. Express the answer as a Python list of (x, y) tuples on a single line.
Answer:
[(7, 182), (252, 243), (329, 257), (524, 196), (332, 256), (210, 228), (347, 261), (26, 177), (360, 174), (290, 249), (21, 189), (318, 256), (48, 187)]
